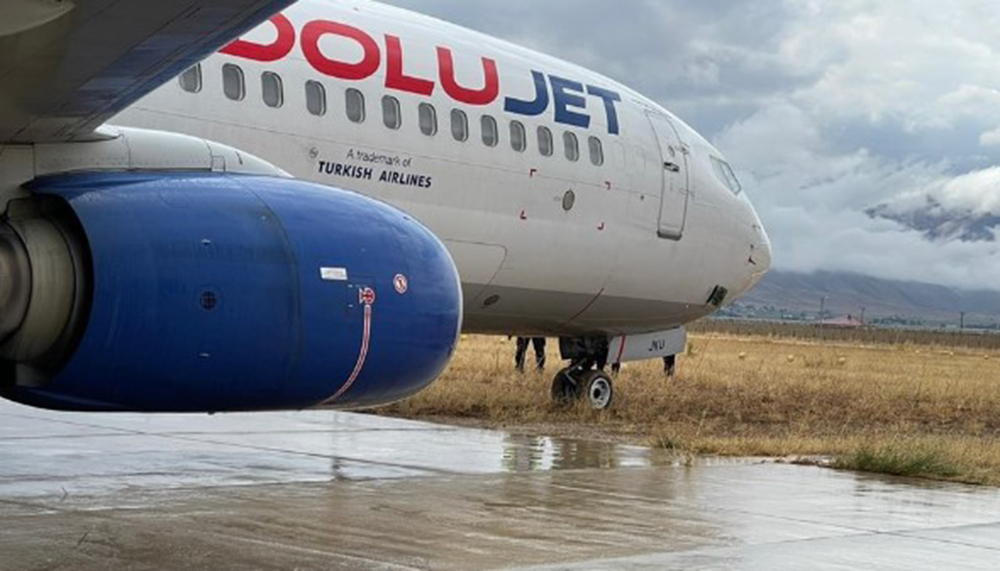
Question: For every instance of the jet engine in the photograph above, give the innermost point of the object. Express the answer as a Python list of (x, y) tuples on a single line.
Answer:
[(207, 292)]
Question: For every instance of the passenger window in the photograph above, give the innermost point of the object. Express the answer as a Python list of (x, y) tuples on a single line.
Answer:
[(316, 98), (272, 89), (191, 79), (428, 119), (355, 106), (391, 114), (545, 141), (596, 151), (518, 136), (725, 174), (572, 146), (491, 133), (459, 125), (232, 82)]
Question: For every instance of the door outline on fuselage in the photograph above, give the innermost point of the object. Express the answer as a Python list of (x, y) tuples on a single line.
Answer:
[(674, 180)]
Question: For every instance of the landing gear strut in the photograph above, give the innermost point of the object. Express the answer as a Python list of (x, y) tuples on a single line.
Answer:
[(585, 378)]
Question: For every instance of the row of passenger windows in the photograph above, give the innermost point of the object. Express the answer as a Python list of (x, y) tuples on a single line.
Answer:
[(272, 92)]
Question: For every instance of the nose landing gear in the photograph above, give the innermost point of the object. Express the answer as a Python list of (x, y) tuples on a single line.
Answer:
[(585, 378), (599, 390), (593, 386)]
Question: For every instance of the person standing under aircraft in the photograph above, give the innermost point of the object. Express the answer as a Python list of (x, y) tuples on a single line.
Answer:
[(670, 366), (522, 350)]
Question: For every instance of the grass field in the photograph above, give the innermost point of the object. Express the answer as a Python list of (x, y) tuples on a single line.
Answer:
[(918, 410)]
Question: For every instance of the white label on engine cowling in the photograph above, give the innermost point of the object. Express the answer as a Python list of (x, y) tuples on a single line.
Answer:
[(333, 274)]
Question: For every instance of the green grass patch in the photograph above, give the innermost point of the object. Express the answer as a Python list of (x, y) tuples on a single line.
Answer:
[(901, 459)]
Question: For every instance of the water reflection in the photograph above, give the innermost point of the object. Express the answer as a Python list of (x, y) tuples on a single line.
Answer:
[(527, 453)]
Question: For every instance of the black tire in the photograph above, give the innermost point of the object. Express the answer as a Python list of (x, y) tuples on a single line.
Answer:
[(597, 389), (565, 390)]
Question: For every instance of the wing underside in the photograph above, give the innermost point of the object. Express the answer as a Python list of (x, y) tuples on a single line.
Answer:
[(66, 66)]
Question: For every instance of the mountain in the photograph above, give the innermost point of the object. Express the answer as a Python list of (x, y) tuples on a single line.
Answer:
[(798, 295), (938, 223)]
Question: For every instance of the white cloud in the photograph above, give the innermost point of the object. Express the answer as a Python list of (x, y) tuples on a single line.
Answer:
[(990, 138), (927, 65), (977, 191)]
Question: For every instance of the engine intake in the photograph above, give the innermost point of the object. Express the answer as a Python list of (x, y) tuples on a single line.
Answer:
[(43, 290)]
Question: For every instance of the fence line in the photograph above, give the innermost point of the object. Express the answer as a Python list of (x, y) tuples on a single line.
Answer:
[(863, 335)]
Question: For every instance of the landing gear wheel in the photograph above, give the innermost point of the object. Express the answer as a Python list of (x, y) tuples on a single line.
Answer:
[(598, 389), (565, 390)]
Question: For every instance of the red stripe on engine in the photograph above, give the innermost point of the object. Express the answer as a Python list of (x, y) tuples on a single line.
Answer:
[(365, 339)]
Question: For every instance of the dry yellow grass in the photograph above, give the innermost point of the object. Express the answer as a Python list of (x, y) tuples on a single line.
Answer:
[(756, 396)]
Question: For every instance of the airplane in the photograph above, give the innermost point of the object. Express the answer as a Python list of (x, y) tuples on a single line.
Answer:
[(245, 205)]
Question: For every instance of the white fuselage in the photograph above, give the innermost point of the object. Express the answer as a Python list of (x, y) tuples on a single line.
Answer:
[(544, 244)]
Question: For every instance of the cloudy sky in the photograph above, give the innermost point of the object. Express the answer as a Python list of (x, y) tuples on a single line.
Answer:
[(826, 108)]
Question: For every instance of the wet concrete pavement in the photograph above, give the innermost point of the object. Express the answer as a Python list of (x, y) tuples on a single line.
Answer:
[(324, 490)]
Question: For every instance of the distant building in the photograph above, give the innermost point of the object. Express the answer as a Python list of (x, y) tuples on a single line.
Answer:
[(845, 322)]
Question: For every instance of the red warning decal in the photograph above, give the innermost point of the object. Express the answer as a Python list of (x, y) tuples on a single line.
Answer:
[(401, 283), (366, 296)]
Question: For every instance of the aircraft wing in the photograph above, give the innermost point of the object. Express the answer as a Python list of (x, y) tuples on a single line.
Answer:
[(67, 66)]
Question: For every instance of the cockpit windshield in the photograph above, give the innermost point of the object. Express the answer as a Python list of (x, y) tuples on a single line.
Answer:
[(726, 175)]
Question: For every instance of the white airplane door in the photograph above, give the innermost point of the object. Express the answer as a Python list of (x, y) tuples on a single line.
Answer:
[(674, 196)]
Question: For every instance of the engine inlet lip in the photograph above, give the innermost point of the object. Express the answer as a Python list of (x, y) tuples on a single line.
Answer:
[(15, 282)]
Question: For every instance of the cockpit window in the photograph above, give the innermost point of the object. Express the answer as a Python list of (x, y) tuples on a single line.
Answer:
[(726, 175)]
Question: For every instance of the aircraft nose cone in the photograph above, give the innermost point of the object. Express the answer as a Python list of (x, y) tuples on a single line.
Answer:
[(762, 251)]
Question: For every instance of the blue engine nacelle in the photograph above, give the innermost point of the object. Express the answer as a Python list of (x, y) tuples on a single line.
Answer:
[(215, 293)]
